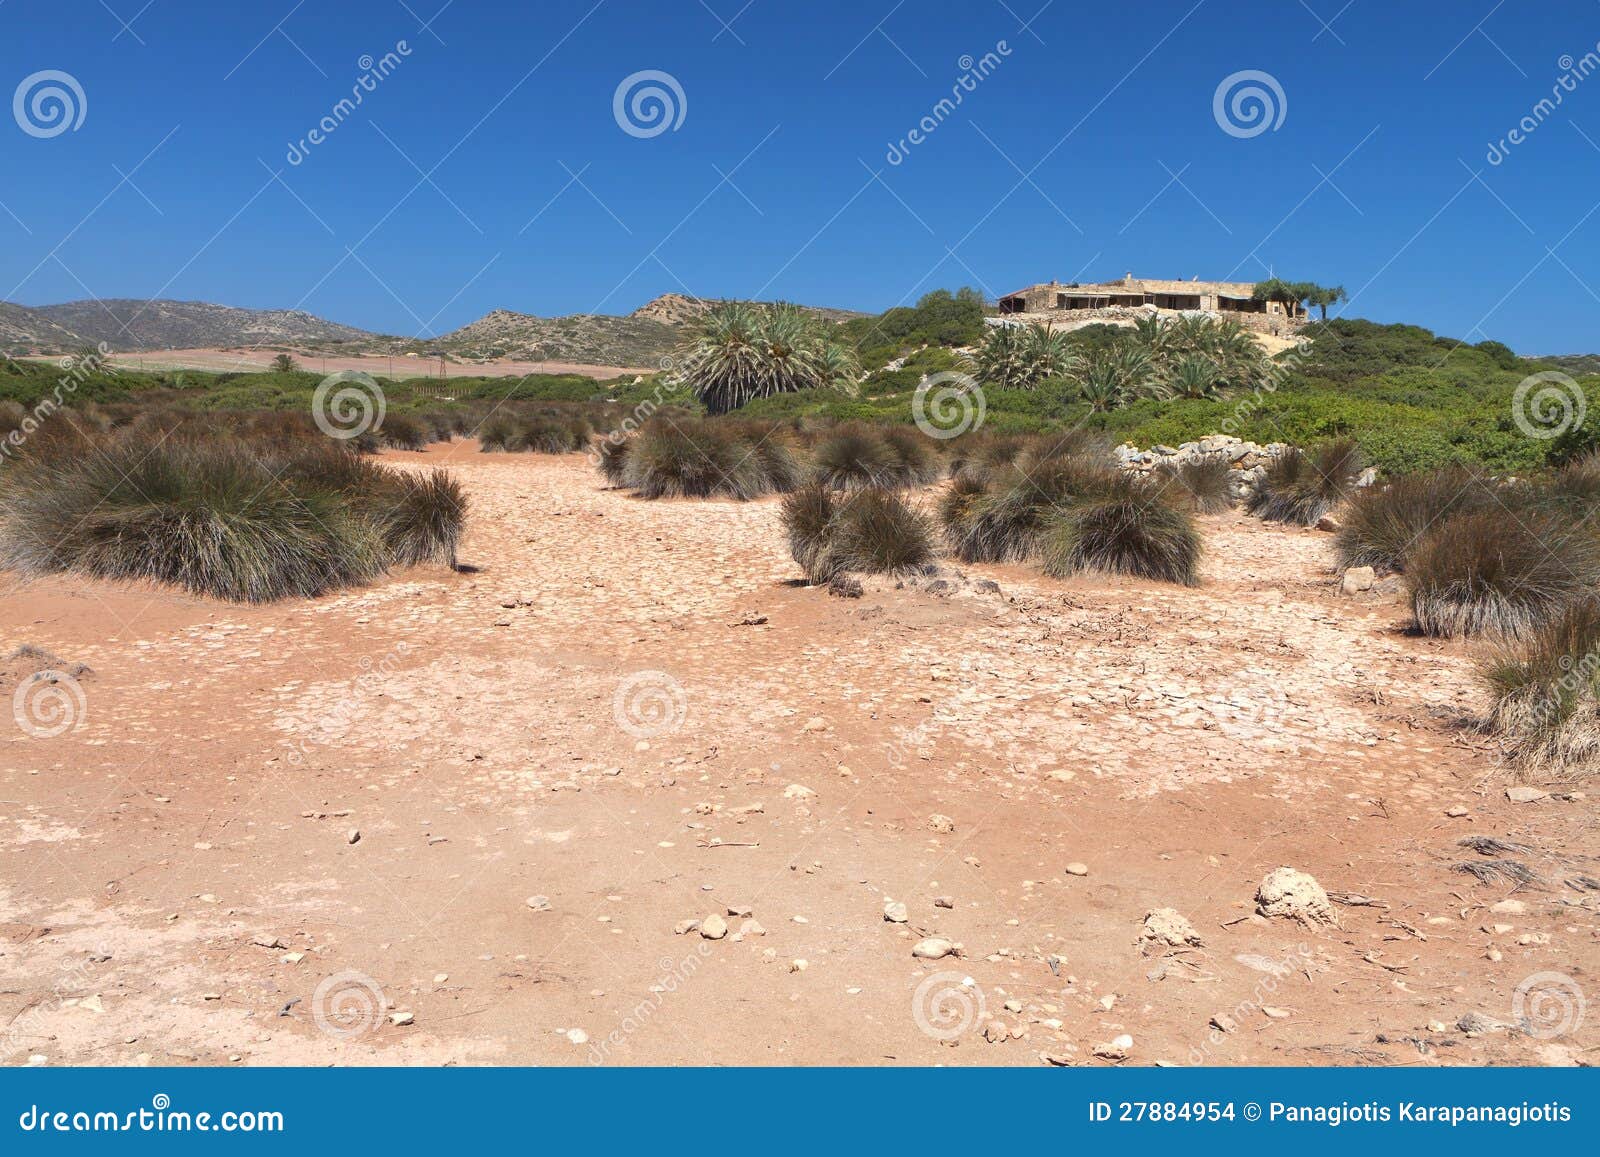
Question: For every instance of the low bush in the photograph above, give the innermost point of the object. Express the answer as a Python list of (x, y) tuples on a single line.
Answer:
[(684, 457), (1494, 573), (403, 432), (854, 458), (1131, 528)]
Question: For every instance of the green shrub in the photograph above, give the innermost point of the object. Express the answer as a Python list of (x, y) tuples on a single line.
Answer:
[(1131, 528)]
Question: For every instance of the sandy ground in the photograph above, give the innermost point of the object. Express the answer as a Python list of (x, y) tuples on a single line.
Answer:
[(220, 360), (629, 716)]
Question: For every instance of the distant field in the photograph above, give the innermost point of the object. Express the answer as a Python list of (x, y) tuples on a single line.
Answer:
[(223, 360)]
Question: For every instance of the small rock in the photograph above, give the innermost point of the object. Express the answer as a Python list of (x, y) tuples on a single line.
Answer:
[(1077, 869), (539, 903), (1476, 1024), (1508, 908), (713, 927), (1286, 892), (1166, 926), (1329, 524), (751, 928), (1522, 793), (935, 948), (401, 1018), (1357, 579), (1222, 1022), (943, 902), (895, 912), (353, 836), (1457, 811), (1275, 1012), (798, 791), (994, 1032), (1013, 1006), (942, 824), (798, 965), (684, 927), (577, 1036), (440, 977)]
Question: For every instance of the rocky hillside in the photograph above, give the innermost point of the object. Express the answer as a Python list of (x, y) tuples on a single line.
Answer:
[(24, 330), (598, 339), (127, 324), (640, 340)]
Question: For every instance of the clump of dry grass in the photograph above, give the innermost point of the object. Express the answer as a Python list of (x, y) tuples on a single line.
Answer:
[(1382, 525), (684, 457), (872, 531), (217, 515), (1130, 528), (1300, 487), (1002, 519), (1492, 572), (1546, 691), (1204, 483)]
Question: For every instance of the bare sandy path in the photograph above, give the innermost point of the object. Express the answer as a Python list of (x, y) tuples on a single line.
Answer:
[(629, 717)]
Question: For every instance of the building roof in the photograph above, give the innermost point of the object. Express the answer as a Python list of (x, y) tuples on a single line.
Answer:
[(1131, 284)]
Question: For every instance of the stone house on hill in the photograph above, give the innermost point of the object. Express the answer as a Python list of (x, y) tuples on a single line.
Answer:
[(1223, 297)]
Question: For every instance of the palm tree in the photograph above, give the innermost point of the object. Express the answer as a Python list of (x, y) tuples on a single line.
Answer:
[(1049, 354), (1195, 376), (1002, 359), (744, 351), (284, 364)]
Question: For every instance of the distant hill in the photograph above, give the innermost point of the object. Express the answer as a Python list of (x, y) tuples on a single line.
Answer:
[(23, 329), (1575, 364), (127, 324), (641, 338)]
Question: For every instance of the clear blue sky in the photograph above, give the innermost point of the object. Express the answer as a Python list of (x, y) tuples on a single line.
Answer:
[(536, 200)]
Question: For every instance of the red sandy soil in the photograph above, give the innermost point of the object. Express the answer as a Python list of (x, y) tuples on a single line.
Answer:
[(242, 360), (180, 879)]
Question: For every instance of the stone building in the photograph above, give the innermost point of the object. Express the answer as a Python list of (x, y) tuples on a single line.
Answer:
[(1144, 294)]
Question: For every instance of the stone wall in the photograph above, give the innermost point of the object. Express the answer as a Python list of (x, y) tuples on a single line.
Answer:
[(1247, 460)]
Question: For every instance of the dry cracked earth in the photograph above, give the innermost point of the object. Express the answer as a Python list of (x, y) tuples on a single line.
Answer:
[(623, 792)]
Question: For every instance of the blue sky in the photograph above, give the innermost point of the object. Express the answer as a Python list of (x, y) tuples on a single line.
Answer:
[(488, 169)]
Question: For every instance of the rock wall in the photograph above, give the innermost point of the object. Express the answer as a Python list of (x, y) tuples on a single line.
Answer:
[(1247, 460)]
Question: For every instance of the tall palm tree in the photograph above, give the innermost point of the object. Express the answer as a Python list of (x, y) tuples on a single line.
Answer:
[(744, 351)]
